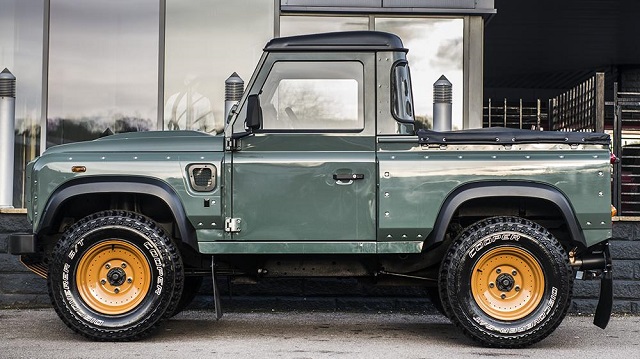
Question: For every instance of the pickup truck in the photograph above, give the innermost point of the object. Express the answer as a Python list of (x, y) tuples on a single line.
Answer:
[(322, 172)]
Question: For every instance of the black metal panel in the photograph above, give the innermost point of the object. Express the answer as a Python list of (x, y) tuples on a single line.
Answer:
[(338, 41), (503, 189), (500, 135)]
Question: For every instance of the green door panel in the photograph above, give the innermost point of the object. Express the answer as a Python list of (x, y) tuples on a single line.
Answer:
[(284, 188)]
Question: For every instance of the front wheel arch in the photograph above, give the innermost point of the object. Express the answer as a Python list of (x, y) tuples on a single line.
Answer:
[(91, 186)]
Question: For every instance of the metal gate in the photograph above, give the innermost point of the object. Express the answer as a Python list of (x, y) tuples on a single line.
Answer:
[(626, 145)]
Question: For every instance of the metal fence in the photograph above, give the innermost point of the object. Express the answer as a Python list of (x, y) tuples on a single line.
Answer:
[(626, 145), (580, 108), (524, 115)]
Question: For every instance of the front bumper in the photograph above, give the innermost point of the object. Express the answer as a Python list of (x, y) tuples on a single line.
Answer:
[(22, 243)]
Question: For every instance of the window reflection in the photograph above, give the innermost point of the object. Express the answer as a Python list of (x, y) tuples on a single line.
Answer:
[(103, 68), (205, 42), (313, 96), (298, 25), (21, 34), (435, 49)]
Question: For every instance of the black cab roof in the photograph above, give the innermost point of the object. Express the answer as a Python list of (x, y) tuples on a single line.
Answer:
[(338, 41)]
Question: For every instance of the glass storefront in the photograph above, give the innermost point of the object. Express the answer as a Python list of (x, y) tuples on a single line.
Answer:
[(435, 49), (103, 68), (298, 25), (21, 44), (205, 43)]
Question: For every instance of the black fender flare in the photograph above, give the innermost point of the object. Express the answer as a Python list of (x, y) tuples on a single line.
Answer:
[(117, 184), (503, 189)]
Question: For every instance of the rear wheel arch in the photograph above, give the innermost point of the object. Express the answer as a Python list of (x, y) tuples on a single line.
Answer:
[(98, 188), (526, 191)]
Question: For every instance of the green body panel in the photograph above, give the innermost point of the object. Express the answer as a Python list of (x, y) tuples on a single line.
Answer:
[(136, 155), (415, 181), (290, 194)]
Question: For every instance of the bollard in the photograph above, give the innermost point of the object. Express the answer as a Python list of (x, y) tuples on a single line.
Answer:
[(442, 97), (7, 136), (233, 89)]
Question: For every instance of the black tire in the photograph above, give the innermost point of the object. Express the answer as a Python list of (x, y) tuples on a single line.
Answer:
[(434, 296), (191, 288), (509, 309), (114, 245)]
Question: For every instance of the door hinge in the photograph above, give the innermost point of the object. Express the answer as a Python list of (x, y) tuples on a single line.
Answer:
[(231, 144), (232, 225)]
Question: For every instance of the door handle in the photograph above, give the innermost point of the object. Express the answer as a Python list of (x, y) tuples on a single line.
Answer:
[(347, 178)]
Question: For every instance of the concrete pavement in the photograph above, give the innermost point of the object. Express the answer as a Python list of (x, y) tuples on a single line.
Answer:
[(196, 334)]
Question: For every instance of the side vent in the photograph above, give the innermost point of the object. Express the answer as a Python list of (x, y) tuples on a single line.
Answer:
[(202, 177)]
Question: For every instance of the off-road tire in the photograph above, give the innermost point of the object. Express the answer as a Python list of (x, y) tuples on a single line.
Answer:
[(189, 292), (139, 260), (434, 296), (469, 282)]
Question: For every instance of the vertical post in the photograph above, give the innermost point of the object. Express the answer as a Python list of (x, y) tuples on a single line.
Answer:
[(7, 136), (521, 113), (233, 89), (489, 116), (617, 150), (599, 116), (538, 127), (442, 98), (504, 113)]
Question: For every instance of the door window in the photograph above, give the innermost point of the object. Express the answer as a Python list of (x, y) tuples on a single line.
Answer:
[(313, 96)]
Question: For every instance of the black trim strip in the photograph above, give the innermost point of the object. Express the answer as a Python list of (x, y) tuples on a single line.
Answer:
[(502, 189), (116, 184)]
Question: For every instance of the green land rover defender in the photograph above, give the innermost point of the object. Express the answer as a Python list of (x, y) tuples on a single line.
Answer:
[(322, 172)]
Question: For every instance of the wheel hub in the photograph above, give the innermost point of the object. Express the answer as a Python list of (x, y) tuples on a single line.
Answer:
[(505, 282), (116, 276)]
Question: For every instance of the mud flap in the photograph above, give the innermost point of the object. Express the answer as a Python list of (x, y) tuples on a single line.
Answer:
[(216, 291), (605, 303)]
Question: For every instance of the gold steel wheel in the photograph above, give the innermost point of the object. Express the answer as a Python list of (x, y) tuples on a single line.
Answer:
[(507, 283), (113, 277)]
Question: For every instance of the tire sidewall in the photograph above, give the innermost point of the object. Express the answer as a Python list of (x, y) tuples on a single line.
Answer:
[(515, 233), (77, 242)]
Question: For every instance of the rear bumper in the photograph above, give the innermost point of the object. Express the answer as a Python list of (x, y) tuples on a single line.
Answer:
[(22, 243)]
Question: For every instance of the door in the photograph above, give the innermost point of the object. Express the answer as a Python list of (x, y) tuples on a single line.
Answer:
[(309, 174)]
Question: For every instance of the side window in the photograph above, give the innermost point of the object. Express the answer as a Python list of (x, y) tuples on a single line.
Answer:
[(401, 93), (313, 96)]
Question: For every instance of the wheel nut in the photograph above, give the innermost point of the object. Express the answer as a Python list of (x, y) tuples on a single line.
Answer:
[(517, 288), (124, 265), (129, 280), (108, 266), (117, 290), (103, 281), (514, 273), (498, 271), (491, 285), (503, 295)]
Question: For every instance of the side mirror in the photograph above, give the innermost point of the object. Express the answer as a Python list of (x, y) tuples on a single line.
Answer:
[(254, 113)]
